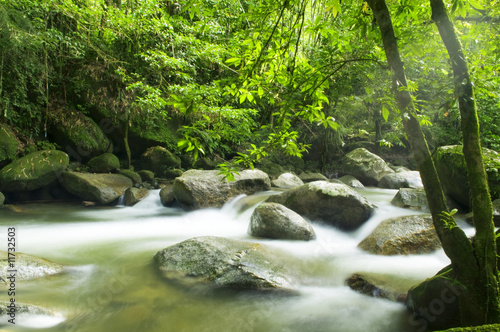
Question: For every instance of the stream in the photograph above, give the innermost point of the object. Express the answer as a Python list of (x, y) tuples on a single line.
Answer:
[(111, 284)]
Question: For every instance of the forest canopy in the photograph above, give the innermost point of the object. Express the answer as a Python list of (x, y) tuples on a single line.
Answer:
[(242, 79)]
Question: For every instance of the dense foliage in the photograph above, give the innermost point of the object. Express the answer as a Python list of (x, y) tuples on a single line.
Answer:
[(241, 78)]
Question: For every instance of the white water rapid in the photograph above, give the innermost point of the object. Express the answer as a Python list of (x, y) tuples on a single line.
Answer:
[(111, 284)]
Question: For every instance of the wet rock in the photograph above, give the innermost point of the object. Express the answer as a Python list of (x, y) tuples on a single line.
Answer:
[(410, 179), (275, 221), (102, 188), (135, 195), (134, 176), (197, 189), (335, 204), (77, 134), (399, 169), (286, 181), (157, 159), (215, 262), (365, 166), (411, 199), (167, 196), (146, 176), (385, 286), (434, 302), (452, 170), (105, 163), (407, 235), (33, 171), (27, 266), (311, 177), (351, 181)]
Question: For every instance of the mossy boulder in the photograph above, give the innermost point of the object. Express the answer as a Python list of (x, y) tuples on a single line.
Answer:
[(33, 171), (2, 200), (482, 328), (105, 163), (407, 235), (134, 176), (77, 134), (9, 144), (28, 267), (146, 176), (158, 159), (332, 203), (197, 189), (452, 170), (141, 137), (434, 303), (365, 166), (173, 173), (275, 221), (102, 188), (213, 262)]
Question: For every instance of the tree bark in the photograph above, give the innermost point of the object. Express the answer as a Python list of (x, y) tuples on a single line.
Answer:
[(487, 284), (455, 243)]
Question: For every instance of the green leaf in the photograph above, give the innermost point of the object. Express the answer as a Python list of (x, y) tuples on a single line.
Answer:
[(385, 113)]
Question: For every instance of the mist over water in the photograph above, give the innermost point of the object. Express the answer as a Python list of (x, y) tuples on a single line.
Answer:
[(110, 283)]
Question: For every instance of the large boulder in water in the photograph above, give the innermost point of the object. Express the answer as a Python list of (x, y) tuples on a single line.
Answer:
[(286, 181), (351, 181), (105, 163), (409, 179), (365, 166), (33, 171), (197, 189), (411, 199), (215, 262), (405, 235), (452, 170), (275, 221), (102, 188), (335, 204), (27, 266)]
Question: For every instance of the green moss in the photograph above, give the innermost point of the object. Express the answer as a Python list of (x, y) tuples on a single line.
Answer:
[(33, 171), (2, 200), (485, 328), (9, 144), (135, 177), (104, 163)]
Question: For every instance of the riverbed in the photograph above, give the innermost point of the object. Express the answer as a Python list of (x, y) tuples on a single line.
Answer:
[(111, 284)]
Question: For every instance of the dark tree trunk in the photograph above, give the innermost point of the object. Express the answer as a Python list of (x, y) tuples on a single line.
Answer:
[(455, 243), (484, 305)]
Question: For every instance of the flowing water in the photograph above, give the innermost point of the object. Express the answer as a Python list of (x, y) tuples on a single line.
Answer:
[(111, 283)]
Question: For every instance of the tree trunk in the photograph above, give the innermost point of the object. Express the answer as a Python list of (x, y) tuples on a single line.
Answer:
[(455, 243), (125, 140), (488, 308)]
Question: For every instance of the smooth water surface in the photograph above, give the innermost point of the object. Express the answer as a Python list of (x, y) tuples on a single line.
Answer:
[(111, 283)]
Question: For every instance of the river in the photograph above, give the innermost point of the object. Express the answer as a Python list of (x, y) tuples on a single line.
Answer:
[(111, 283)]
